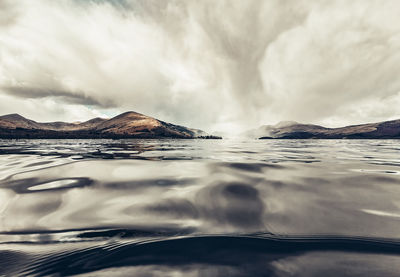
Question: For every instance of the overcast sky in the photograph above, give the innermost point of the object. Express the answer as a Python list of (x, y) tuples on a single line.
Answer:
[(212, 64)]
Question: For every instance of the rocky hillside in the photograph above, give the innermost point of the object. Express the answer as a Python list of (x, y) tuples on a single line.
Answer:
[(294, 130), (126, 125)]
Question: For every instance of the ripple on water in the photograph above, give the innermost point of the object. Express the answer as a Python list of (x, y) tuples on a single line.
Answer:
[(379, 171), (64, 183), (254, 208), (32, 185)]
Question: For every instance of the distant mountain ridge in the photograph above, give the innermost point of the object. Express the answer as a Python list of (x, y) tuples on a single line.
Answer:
[(13, 121), (126, 125), (293, 130)]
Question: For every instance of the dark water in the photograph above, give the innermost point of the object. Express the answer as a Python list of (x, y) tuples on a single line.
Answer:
[(200, 208)]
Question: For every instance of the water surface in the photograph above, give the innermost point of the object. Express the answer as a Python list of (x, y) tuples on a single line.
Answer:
[(199, 207)]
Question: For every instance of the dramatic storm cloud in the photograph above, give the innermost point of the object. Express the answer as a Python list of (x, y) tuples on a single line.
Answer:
[(217, 65)]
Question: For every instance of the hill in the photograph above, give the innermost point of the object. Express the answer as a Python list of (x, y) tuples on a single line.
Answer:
[(294, 130), (126, 125)]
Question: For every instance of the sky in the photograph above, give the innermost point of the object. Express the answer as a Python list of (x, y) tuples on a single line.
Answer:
[(217, 65)]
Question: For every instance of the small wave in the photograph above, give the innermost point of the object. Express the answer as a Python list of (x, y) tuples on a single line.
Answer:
[(207, 249), (35, 185)]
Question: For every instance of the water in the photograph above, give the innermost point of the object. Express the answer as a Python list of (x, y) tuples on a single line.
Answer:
[(199, 208)]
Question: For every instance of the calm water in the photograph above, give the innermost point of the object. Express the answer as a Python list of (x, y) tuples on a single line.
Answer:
[(200, 208)]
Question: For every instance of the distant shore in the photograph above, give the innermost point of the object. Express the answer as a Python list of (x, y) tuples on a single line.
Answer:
[(40, 134)]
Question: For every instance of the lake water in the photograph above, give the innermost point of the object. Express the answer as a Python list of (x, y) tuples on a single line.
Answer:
[(200, 208)]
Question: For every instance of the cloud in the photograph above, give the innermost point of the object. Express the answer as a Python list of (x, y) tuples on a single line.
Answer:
[(343, 55), (8, 13), (39, 109), (65, 96), (214, 65)]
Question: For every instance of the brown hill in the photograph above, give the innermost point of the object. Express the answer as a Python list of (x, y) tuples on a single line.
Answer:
[(14, 121), (294, 130), (126, 125)]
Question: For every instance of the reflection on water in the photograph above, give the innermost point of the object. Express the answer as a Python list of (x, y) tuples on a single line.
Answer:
[(199, 207)]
